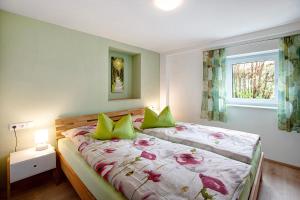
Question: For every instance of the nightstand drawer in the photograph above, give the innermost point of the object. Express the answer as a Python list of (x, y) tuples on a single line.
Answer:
[(27, 168)]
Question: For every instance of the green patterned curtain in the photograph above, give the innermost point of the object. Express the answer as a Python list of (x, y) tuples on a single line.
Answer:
[(289, 84), (213, 97)]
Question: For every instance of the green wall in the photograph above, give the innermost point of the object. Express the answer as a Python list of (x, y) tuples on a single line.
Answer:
[(47, 72)]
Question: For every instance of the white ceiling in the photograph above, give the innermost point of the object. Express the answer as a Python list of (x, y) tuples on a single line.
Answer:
[(139, 23)]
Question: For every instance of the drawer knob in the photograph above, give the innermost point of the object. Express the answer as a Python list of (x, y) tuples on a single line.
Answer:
[(34, 165)]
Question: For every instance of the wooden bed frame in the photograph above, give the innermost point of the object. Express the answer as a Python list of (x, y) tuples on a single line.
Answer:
[(67, 123)]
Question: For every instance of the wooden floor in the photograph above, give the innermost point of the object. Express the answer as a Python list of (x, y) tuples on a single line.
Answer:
[(32, 189), (279, 183)]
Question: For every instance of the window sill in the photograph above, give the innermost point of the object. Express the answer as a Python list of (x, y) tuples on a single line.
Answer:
[(252, 106)]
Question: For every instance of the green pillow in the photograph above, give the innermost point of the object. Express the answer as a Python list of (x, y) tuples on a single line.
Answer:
[(152, 120), (107, 129)]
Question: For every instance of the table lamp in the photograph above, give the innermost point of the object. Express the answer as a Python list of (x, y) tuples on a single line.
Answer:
[(41, 139)]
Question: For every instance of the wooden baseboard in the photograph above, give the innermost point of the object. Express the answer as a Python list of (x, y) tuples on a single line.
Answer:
[(283, 164)]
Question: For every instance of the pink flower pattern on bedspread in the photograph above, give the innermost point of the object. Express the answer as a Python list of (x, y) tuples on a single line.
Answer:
[(218, 135), (151, 168), (81, 133), (104, 169), (180, 128), (147, 155), (109, 150), (188, 158), (152, 176), (213, 183), (143, 142), (139, 120), (82, 146)]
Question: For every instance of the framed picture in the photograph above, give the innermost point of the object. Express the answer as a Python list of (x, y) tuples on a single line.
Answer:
[(117, 74)]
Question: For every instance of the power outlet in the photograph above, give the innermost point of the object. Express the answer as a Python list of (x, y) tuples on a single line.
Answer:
[(21, 125)]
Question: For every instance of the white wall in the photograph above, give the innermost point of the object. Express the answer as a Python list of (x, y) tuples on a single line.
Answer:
[(184, 77), (164, 87)]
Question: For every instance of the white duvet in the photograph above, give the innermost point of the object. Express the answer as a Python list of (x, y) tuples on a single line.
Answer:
[(233, 144), (151, 168)]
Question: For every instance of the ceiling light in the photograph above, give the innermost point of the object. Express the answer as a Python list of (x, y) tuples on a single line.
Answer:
[(167, 5)]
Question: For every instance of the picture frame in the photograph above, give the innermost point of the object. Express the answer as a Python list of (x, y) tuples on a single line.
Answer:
[(117, 74)]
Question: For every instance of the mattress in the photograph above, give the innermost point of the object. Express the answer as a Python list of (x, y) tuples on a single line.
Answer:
[(103, 190), (96, 185)]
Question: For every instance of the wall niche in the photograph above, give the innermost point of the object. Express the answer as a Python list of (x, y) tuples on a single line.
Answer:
[(124, 75)]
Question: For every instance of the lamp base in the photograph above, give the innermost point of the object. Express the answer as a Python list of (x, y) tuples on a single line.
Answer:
[(41, 147)]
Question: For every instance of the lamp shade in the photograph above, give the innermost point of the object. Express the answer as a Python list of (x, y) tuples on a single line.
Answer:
[(41, 136)]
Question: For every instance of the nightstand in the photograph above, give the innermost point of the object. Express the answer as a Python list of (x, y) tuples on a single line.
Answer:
[(29, 162)]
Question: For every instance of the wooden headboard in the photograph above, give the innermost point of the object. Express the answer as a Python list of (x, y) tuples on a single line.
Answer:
[(67, 123)]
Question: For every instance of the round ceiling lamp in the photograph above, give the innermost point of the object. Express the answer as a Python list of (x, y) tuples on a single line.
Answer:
[(167, 5)]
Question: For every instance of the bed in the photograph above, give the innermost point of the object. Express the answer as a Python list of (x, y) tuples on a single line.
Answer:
[(83, 178)]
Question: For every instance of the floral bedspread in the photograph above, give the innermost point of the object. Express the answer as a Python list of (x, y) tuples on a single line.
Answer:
[(151, 168), (229, 143)]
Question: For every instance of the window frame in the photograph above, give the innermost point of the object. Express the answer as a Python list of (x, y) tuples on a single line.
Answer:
[(252, 57)]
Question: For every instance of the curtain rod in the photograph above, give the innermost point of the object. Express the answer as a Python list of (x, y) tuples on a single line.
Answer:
[(252, 41)]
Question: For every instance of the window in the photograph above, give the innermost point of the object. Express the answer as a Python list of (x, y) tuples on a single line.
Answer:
[(252, 79)]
